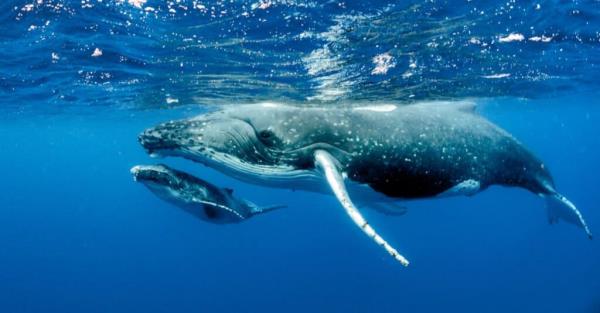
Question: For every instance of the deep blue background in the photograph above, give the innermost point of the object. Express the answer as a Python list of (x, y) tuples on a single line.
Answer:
[(78, 235)]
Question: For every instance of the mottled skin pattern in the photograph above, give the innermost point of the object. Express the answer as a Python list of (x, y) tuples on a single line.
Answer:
[(411, 151), (193, 194)]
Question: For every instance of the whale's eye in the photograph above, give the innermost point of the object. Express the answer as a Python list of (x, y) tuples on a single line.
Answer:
[(268, 137), (265, 134)]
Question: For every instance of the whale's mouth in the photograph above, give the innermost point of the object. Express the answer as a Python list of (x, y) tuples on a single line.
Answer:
[(154, 174), (156, 145), (231, 146)]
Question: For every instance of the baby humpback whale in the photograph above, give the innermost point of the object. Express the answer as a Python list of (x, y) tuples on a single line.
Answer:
[(367, 155), (196, 196)]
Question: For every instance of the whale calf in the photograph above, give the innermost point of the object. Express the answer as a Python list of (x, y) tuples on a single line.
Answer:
[(364, 154), (196, 196)]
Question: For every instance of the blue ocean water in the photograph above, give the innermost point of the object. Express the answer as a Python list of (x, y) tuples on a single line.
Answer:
[(81, 79)]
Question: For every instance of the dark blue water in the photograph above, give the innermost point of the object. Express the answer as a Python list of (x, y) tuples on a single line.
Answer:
[(78, 235)]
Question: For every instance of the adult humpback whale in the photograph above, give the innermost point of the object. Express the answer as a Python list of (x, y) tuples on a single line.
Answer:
[(369, 154)]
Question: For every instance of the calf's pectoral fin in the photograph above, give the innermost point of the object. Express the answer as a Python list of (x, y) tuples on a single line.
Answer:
[(211, 209), (328, 165), (560, 208)]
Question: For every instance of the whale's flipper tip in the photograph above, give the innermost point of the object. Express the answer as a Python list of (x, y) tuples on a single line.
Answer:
[(560, 208), (328, 165)]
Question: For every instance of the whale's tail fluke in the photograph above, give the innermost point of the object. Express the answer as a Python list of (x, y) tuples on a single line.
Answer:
[(255, 209), (560, 208), (270, 208)]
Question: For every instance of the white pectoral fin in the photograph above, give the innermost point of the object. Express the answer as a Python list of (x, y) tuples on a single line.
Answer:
[(560, 208), (221, 207), (328, 165)]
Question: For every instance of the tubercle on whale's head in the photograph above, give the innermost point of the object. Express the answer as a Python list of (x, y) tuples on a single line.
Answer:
[(198, 139), (245, 140), (155, 174)]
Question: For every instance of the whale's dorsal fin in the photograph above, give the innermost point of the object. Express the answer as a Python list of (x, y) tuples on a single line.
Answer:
[(328, 165), (228, 191)]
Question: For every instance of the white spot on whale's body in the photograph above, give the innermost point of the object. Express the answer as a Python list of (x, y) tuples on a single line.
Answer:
[(377, 108), (270, 104), (468, 187), (511, 37)]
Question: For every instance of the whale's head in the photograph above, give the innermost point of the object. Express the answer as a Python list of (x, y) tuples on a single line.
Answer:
[(261, 143), (192, 194), (161, 179)]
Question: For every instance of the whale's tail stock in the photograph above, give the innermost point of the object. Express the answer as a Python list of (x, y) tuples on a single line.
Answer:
[(560, 208)]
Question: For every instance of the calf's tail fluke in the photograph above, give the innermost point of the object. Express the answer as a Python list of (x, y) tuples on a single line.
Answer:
[(560, 208)]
